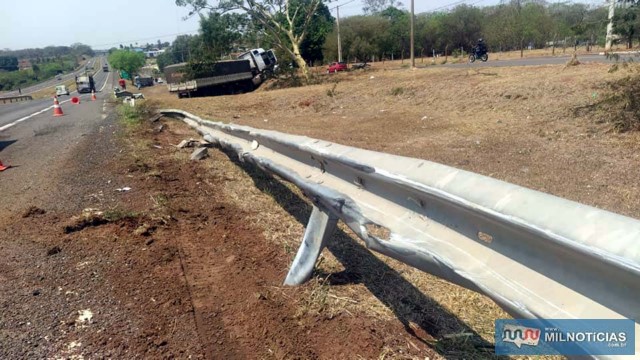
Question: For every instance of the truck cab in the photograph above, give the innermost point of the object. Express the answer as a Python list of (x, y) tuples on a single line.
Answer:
[(260, 59), (85, 84)]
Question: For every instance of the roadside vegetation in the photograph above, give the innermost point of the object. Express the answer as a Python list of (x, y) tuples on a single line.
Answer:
[(132, 116), (620, 105), (383, 32), (38, 64), (127, 60)]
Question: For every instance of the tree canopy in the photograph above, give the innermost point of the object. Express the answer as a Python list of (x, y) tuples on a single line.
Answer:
[(129, 61), (285, 24)]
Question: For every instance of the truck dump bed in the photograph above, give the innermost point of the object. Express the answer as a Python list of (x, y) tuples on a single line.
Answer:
[(221, 72)]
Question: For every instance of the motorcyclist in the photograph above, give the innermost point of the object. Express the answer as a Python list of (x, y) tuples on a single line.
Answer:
[(481, 47)]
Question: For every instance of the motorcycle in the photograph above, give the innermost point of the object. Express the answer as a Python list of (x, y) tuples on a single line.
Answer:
[(475, 54)]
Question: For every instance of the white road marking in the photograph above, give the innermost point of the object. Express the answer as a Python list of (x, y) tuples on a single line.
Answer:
[(5, 127), (106, 80)]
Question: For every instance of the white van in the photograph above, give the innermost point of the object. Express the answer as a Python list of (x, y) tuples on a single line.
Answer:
[(62, 90)]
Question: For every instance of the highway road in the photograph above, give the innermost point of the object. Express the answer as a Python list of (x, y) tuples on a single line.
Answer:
[(14, 113), (53, 82), (546, 60), (35, 143)]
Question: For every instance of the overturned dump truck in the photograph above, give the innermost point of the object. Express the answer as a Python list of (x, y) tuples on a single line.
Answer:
[(243, 74)]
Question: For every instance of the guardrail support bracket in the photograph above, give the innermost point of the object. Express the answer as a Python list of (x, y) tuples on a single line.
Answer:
[(319, 229)]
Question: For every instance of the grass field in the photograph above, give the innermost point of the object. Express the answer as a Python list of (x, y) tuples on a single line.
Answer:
[(515, 124)]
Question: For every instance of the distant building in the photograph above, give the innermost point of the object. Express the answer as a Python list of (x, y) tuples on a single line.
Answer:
[(153, 53), (24, 64)]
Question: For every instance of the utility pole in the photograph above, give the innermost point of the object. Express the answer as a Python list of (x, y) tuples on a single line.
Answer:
[(339, 44), (612, 8), (413, 58), (337, 7)]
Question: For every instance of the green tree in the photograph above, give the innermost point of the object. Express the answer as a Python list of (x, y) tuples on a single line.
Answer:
[(537, 24), (395, 40), (8, 63), (164, 59), (627, 23), (464, 26), (361, 49), (220, 35), (369, 29), (36, 70), (277, 18), (128, 61), (320, 26), (179, 51), (79, 49), (377, 6)]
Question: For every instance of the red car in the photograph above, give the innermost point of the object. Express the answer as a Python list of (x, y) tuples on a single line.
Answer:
[(337, 66)]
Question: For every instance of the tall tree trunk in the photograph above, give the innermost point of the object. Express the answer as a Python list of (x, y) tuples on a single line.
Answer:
[(553, 48), (522, 47), (299, 60)]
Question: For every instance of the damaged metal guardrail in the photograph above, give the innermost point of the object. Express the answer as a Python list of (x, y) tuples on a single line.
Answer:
[(11, 99), (534, 254)]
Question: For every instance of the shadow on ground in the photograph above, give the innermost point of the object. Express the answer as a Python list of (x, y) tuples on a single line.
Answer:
[(6, 143), (406, 301)]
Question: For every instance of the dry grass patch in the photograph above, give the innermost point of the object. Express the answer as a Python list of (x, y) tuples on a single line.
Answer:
[(51, 91), (515, 124)]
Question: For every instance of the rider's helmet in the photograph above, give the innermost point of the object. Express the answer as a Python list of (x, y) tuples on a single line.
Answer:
[(480, 40)]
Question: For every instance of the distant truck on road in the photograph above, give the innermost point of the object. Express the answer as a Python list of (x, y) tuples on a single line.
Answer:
[(85, 83), (141, 82), (105, 68), (245, 73)]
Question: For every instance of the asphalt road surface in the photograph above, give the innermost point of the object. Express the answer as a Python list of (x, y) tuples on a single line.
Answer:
[(53, 82), (32, 139), (546, 60), (13, 113)]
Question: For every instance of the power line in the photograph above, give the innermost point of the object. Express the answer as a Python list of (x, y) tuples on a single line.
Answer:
[(460, 2), (146, 39), (337, 6)]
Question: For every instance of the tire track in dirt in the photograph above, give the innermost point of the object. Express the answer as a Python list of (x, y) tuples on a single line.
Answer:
[(173, 270), (235, 276)]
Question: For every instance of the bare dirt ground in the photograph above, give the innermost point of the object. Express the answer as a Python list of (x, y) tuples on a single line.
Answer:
[(515, 124), (189, 263), (522, 125), (174, 267)]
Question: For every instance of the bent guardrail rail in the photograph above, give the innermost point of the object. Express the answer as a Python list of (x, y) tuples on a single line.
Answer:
[(12, 99), (536, 255)]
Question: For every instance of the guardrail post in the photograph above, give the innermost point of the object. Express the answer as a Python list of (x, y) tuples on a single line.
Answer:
[(319, 229)]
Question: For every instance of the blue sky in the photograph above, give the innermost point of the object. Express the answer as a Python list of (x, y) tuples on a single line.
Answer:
[(107, 23)]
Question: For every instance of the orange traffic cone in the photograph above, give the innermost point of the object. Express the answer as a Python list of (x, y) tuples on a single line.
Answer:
[(57, 110), (93, 95), (4, 167)]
